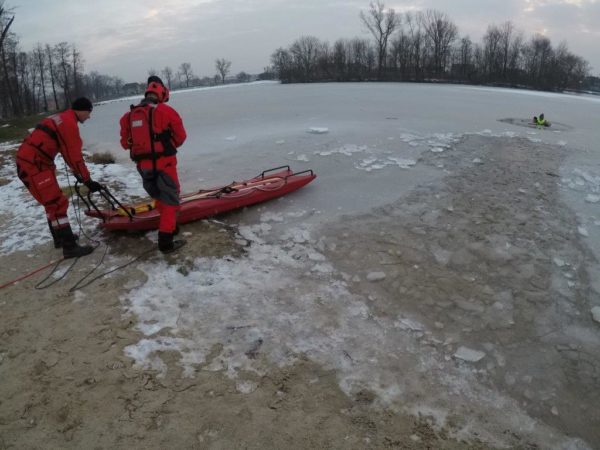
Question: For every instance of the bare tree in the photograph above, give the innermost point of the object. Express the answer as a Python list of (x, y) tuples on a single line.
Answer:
[(64, 70), (5, 22), (25, 81), (464, 58), (340, 59), (381, 24), (77, 63), (118, 83), (167, 73), (399, 56), (222, 66), (52, 73), (417, 44), (242, 77), (441, 33), (360, 59), (305, 52), (537, 58), (11, 88), (40, 65), (507, 30), (185, 71), (492, 56), (281, 59), (514, 57)]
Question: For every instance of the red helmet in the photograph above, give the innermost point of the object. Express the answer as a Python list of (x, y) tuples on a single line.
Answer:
[(161, 92)]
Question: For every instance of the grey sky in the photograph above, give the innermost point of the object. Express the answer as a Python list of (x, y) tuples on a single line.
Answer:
[(129, 37)]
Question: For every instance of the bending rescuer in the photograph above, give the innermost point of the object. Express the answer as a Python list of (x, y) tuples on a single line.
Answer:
[(56, 134)]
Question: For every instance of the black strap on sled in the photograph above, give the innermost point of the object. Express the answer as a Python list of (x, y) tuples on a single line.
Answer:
[(106, 195)]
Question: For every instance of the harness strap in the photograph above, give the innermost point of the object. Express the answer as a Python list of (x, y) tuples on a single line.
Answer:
[(49, 131), (38, 147), (151, 130)]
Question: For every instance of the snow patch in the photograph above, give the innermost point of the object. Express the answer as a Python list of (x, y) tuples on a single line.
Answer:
[(468, 354)]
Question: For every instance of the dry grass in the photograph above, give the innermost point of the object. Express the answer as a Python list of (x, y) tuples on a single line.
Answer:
[(102, 158)]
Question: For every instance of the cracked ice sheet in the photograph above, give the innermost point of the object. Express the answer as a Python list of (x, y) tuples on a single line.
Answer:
[(371, 162), (276, 295)]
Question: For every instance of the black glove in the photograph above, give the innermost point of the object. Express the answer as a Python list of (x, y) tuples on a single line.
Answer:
[(93, 186)]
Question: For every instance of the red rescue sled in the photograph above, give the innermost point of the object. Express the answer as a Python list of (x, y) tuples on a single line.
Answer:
[(204, 203)]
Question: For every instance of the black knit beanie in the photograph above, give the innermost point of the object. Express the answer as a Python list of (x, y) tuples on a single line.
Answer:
[(156, 79), (82, 104)]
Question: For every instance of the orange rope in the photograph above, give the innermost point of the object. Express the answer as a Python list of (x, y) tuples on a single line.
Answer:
[(31, 273)]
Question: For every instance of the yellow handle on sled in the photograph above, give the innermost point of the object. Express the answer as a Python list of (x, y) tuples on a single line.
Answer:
[(136, 209)]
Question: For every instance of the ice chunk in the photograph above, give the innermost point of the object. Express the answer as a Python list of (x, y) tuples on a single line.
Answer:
[(583, 231), (402, 163), (408, 324), (375, 276), (559, 262), (317, 130), (592, 198), (468, 354), (596, 313), (246, 387)]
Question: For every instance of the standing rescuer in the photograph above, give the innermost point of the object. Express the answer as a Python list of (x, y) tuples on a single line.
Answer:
[(152, 132), (55, 134)]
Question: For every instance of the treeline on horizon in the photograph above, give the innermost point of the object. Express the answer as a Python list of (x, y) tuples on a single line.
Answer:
[(423, 46), (426, 46), (50, 77)]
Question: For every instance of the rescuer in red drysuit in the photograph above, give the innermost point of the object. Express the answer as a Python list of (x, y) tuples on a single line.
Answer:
[(55, 134), (152, 132)]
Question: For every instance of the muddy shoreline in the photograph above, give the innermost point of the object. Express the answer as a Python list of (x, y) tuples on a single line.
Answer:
[(487, 258)]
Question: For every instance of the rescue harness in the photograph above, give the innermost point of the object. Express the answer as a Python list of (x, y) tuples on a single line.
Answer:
[(144, 138)]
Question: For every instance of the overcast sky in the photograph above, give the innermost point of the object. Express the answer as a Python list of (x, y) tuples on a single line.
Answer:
[(127, 38)]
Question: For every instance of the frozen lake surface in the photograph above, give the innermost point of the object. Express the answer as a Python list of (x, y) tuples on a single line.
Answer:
[(444, 260)]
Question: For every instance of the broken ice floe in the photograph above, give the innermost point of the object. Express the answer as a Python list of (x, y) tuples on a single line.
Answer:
[(375, 276), (596, 313), (317, 130), (591, 198), (468, 354)]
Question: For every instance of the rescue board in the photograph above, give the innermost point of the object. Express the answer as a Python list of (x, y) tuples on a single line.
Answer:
[(204, 203)]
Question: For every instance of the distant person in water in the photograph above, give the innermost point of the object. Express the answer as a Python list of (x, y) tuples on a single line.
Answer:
[(541, 121)]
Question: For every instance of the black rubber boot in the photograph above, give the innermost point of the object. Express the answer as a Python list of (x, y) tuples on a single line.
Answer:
[(54, 233), (166, 244), (71, 249), (56, 236)]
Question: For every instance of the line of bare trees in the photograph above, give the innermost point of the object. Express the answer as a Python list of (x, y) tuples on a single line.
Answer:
[(425, 46), (46, 78), (50, 77)]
